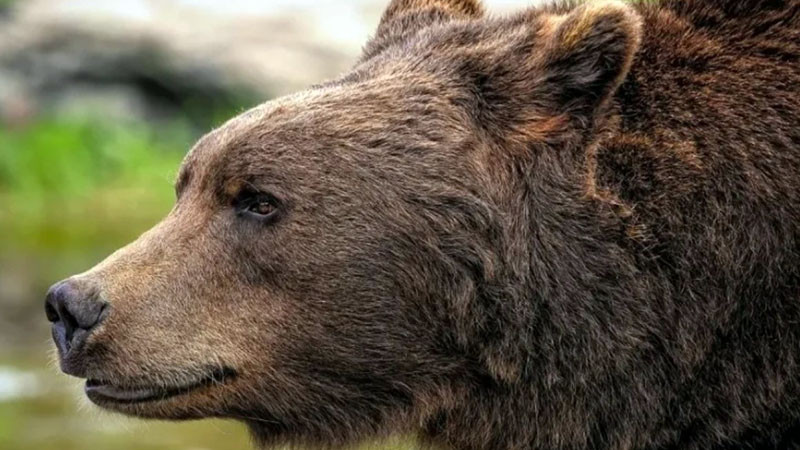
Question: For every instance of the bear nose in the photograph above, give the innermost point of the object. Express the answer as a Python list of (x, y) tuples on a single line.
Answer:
[(74, 311)]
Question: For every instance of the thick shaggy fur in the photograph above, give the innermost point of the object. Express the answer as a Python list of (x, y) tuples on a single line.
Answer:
[(574, 227)]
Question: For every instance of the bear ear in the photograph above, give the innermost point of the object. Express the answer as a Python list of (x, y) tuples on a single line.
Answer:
[(587, 54), (404, 17)]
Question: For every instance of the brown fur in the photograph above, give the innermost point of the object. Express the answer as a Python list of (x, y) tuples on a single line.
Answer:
[(573, 227)]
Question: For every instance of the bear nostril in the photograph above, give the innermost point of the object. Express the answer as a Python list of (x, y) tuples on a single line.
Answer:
[(50, 311), (72, 308)]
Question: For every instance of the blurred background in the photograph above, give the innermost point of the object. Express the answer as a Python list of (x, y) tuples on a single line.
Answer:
[(99, 101)]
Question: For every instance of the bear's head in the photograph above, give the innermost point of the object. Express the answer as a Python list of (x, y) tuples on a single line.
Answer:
[(346, 261)]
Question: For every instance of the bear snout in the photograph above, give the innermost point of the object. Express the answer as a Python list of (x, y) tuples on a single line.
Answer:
[(74, 310)]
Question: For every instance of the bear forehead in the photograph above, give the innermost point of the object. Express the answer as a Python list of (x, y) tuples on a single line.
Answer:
[(335, 124), (416, 87)]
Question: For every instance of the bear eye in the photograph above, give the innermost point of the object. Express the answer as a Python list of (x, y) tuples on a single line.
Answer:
[(259, 206), (262, 208)]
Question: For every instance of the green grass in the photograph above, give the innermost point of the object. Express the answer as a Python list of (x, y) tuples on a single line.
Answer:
[(75, 182)]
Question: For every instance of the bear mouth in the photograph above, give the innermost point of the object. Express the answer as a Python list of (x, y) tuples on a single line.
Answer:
[(105, 392)]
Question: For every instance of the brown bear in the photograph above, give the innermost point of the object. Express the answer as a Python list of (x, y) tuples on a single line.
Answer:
[(575, 227)]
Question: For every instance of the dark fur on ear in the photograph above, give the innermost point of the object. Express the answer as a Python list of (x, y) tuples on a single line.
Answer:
[(588, 54), (404, 17)]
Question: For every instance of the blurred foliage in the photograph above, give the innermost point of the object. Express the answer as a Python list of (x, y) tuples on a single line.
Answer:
[(71, 182)]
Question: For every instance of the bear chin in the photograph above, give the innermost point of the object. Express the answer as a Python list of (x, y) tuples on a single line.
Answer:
[(185, 399)]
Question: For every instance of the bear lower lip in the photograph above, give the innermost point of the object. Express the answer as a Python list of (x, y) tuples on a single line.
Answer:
[(104, 392), (124, 395)]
